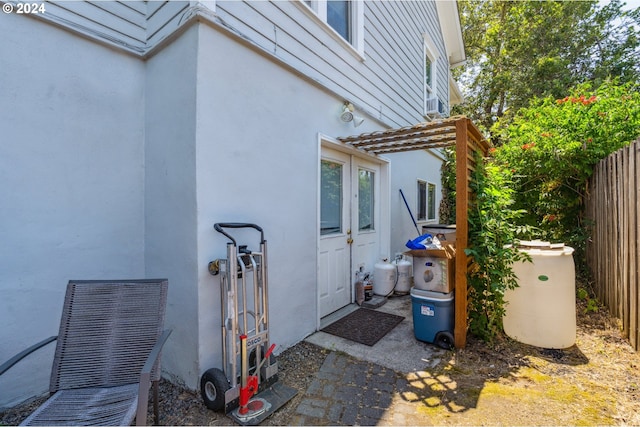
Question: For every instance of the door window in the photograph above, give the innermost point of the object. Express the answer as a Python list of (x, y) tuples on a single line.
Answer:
[(330, 198), (366, 191)]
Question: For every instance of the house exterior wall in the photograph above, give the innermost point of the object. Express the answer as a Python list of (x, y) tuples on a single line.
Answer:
[(386, 82), (406, 169), (171, 205), (71, 182), (219, 123), (131, 25), (258, 162)]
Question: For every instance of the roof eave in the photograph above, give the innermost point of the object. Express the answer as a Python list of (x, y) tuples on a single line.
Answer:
[(452, 31), (455, 93)]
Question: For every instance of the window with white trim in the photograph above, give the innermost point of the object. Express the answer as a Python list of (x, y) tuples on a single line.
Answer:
[(343, 19), (426, 201), (339, 17), (431, 202), (430, 76)]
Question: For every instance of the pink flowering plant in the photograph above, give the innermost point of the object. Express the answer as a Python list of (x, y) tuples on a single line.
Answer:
[(552, 147)]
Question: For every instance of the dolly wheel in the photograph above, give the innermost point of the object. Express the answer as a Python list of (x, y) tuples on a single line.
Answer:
[(213, 386)]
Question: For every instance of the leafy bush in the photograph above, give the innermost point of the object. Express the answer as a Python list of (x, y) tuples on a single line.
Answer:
[(447, 208), (492, 232), (552, 147)]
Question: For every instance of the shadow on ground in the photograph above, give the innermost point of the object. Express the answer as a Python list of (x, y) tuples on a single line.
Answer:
[(456, 385)]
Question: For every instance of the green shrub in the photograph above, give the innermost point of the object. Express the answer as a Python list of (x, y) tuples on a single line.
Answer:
[(492, 232)]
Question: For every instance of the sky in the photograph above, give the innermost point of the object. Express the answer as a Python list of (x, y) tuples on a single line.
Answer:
[(630, 4)]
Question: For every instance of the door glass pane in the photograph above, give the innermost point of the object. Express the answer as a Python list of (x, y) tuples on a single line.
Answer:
[(338, 17), (365, 200), (330, 198)]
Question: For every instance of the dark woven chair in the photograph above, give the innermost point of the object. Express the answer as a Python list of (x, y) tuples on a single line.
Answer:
[(107, 354)]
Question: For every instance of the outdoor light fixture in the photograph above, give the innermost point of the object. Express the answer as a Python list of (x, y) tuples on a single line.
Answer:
[(347, 112), (347, 115)]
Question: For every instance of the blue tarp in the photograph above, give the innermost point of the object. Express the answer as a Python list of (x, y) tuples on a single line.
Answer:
[(422, 242)]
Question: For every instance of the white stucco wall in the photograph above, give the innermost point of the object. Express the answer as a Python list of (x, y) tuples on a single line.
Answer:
[(170, 196), (234, 139), (406, 169), (257, 162), (71, 182)]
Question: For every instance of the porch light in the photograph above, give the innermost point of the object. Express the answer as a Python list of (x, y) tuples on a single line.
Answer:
[(347, 115), (347, 112)]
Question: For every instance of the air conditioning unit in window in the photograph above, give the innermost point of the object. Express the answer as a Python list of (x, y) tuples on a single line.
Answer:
[(434, 108)]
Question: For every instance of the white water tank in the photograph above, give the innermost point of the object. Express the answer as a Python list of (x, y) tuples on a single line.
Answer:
[(542, 310)]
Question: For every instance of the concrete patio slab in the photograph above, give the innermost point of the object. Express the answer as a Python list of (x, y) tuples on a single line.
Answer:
[(398, 350)]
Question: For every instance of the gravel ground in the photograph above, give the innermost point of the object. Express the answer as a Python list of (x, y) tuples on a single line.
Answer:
[(181, 407), (595, 382)]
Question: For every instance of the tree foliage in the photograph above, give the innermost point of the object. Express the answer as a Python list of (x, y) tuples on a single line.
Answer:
[(520, 50)]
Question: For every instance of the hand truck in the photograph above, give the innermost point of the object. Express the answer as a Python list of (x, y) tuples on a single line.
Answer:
[(249, 367)]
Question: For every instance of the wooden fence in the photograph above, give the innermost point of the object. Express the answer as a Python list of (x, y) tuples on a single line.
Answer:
[(613, 204)]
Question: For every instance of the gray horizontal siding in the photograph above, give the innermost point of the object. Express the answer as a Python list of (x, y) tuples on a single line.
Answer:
[(136, 25), (163, 17), (116, 21), (388, 83), (395, 53)]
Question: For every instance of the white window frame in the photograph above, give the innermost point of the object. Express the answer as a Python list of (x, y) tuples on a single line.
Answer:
[(428, 200), (429, 91), (431, 202), (317, 10)]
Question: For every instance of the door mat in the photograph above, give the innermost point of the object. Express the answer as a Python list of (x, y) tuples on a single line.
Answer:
[(364, 326)]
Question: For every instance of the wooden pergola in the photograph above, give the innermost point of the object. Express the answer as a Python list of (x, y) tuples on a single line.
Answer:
[(456, 131)]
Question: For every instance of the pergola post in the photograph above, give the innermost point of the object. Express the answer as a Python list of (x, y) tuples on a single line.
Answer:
[(462, 233)]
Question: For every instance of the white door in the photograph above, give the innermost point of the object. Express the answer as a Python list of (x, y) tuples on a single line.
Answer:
[(349, 229), (334, 257), (366, 217)]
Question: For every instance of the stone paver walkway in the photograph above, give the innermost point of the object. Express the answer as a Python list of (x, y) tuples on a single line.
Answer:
[(347, 391)]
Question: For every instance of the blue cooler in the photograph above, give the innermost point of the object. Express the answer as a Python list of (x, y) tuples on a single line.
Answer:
[(433, 317)]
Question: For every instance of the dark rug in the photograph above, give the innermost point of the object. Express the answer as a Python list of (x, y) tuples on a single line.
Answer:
[(364, 326)]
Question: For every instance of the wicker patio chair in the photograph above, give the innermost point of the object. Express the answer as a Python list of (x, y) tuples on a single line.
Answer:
[(107, 354)]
